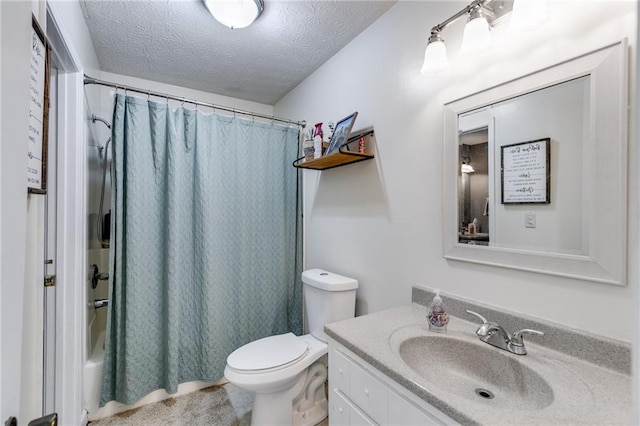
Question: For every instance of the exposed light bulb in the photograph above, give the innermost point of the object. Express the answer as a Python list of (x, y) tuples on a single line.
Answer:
[(235, 13), (528, 14), (476, 37), (435, 55)]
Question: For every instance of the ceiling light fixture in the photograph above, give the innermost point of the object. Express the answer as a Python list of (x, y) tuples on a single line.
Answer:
[(482, 16), (235, 13)]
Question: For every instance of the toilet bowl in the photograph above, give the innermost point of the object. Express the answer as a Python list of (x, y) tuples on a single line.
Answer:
[(288, 372), (287, 377)]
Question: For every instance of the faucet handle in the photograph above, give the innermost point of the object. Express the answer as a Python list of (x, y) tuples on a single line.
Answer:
[(516, 337), (483, 319)]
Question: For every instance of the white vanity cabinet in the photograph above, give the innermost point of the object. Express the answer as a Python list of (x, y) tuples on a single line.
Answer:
[(361, 395)]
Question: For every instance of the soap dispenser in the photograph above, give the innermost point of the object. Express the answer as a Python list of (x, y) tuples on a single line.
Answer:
[(437, 315)]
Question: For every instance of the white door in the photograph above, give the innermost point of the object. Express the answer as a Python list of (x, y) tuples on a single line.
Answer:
[(50, 219)]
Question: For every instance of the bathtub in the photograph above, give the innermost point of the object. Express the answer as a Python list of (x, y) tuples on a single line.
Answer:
[(92, 377), (92, 383)]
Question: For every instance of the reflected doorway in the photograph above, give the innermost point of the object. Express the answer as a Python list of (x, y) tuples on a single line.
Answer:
[(473, 187)]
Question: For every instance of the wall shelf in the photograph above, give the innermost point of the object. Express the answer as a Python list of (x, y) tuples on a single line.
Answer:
[(344, 155)]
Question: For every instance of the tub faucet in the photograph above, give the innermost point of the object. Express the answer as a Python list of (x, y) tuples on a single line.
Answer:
[(494, 334), (95, 275), (100, 303)]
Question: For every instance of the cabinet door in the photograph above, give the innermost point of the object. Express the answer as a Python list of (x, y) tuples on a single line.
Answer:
[(343, 413), (338, 371), (402, 412), (338, 409), (358, 418), (368, 393)]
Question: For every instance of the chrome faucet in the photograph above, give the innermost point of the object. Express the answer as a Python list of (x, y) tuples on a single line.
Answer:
[(493, 334), (99, 303)]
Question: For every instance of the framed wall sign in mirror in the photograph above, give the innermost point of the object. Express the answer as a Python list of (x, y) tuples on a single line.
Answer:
[(525, 173), (535, 171)]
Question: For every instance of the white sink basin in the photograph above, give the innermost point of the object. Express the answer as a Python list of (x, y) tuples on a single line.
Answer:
[(465, 368), (475, 372)]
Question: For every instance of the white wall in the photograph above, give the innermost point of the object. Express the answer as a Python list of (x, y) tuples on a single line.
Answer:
[(633, 255), (380, 221), (21, 217), (181, 92), (69, 18)]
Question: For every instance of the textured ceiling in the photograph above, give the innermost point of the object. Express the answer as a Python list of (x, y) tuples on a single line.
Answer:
[(178, 42)]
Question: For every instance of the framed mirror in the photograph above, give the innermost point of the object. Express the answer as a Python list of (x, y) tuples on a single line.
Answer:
[(535, 171)]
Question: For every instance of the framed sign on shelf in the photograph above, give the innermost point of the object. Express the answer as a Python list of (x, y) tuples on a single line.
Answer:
[(341, 133), (525, 172), (38, 111)]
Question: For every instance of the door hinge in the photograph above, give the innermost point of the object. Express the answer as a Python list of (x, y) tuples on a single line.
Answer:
[(49, 280)]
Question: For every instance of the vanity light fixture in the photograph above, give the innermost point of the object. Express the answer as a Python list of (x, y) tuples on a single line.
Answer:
[(435, 55), (482, 15), (528, 14), (235, 13), (476, 37), (465, 163), (467, 168)]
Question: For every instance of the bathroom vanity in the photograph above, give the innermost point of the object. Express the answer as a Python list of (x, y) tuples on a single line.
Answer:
[(361, 395), (388, 368)]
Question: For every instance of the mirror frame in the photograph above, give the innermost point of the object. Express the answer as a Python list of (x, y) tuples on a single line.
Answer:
[(606, 261)]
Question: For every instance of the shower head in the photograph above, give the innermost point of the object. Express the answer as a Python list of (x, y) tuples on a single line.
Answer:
[(102, 120)]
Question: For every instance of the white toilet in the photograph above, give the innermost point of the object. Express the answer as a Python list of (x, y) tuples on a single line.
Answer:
[(287, 372)]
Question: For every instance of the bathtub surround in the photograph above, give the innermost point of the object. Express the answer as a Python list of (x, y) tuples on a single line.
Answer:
[(205, 251)]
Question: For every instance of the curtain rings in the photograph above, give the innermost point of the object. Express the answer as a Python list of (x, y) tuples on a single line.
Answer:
[(149, 95)]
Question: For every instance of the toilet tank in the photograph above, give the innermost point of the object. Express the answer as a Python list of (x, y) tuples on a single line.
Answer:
[(328, 298)]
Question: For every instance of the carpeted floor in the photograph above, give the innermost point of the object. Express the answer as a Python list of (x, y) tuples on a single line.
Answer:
[(225, 405), (218, 405)]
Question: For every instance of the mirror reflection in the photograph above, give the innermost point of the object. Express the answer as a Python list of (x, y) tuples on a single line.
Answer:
[(488, 136), (539, 165), (473, 190)]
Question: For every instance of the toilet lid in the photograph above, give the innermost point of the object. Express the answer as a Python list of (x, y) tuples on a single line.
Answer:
[(269, 352)]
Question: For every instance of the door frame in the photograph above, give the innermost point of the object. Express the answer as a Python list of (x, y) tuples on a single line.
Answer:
[(71, 229)]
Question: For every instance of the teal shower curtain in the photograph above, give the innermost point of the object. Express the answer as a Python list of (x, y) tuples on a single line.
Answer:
[(206, 244)]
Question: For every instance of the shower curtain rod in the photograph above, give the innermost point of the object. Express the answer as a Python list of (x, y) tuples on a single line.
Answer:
[(91, 80)]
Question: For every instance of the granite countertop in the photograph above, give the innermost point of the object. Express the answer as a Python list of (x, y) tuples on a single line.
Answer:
[(582, 392)]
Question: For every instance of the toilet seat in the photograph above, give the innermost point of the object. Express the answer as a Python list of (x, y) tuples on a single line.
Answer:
[(268, 354)]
